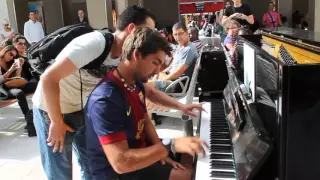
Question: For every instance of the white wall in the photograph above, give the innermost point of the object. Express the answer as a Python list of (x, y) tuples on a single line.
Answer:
[(3, 11), (317, 16)]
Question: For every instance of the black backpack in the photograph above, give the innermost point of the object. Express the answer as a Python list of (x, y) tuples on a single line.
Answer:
[(49, 47)]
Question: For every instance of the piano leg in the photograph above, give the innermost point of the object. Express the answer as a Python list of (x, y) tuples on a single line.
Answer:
[(188, 128)]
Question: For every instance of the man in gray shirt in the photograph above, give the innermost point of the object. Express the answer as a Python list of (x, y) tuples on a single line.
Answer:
[(183, 62)]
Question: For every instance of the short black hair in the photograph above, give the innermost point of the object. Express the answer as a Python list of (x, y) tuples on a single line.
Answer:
[(146, 41), (135, 14), (180, 25), (16, 39)]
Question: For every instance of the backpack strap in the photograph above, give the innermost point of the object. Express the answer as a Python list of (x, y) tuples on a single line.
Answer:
[(273, 22), (95, 64)]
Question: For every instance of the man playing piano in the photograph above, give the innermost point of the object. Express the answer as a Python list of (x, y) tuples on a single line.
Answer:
[(122, 142)]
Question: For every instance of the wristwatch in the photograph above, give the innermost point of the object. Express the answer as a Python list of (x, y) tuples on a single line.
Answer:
[(169, 144)]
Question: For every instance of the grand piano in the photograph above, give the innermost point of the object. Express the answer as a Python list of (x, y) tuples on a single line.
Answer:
[(264, 125)]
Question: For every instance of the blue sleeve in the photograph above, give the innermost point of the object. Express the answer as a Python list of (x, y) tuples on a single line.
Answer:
[(227, 40), (107, 115), (188, 57)]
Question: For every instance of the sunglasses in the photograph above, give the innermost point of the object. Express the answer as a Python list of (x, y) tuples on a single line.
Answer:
[(12, 55), (6, 24)]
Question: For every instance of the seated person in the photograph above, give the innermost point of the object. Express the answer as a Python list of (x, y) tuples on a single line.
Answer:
[(232, 39), (121, 141), (15, 85), (168, 58), (183, 61), (20, 43), (194, 38)]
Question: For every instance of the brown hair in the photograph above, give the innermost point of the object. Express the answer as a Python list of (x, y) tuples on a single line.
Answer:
[(146, 41), (7, 49), (231, 22)]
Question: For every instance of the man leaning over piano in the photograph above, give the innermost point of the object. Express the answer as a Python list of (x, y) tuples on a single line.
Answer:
[(122, 142)]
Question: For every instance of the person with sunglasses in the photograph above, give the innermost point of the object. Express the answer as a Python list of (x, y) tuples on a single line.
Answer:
[(6, 32), (13, 85)]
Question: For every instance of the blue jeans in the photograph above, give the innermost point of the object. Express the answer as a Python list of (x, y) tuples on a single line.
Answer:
[(59, 165)]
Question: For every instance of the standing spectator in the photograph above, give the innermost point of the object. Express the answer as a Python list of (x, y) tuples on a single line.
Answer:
[(82, 17), (240, 12), (194, 38), (271, 19), (209, 26), (33, 30), (6, 32)]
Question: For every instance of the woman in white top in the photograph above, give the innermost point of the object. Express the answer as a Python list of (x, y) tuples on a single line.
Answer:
[(6, 32)]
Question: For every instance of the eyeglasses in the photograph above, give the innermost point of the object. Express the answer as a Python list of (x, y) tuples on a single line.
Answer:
[(22, 44), (178, 34)]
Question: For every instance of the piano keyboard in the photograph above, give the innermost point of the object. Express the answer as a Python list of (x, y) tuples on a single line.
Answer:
[(218, 164)]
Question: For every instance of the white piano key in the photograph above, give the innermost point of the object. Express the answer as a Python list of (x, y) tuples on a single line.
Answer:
[(203, 163)]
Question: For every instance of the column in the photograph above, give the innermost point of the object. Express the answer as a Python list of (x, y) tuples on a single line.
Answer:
[(121, 5), (166, 11), (285, 8), (100, 13), (311, 15), (317, 16), (53, 15)]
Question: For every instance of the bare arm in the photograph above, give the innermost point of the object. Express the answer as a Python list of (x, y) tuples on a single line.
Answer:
[(250, 19), (161, 98), (225, 19), (51, 90), (150, 131), (178, 73), (124, 160)]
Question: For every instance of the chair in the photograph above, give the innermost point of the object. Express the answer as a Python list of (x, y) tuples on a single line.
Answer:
[(186, 99)]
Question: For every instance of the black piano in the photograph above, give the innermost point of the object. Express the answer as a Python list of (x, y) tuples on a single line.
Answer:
[(265, 129)]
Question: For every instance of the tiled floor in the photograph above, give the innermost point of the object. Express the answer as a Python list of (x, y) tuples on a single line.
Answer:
[(19, 154)]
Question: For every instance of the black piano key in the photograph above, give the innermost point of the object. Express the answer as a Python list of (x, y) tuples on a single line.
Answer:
[(215, 164), (216, 148), (219, 141), (220, 156), (219, 136), (223, 174)]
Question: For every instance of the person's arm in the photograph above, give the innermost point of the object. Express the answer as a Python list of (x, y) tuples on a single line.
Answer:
[(150, 131), (75, 55), (124, 160), (26, 33), (178, 73), (227, 16), (108, 119), (265, 19), (187, 59)]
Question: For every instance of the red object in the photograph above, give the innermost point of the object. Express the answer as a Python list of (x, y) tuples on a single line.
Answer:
[(188, 8), (112, 138), (213, 7)]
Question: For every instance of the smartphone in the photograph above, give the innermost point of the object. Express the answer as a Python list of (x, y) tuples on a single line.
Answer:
[(18, 62)]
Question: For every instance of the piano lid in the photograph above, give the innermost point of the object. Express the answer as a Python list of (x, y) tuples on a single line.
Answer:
[(309, 37)]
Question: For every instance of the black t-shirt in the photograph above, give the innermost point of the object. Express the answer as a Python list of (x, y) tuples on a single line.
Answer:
[(244, 9)]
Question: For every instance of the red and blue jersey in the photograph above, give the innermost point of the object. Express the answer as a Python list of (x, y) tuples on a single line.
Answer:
[(113, 114)]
